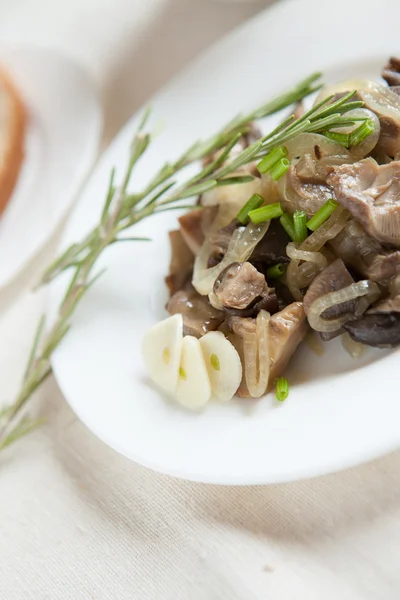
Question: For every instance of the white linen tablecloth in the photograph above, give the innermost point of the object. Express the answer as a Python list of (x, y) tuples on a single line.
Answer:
[(78, 521)]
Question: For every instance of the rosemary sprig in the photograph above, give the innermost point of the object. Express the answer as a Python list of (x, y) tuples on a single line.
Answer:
[(122, 209)]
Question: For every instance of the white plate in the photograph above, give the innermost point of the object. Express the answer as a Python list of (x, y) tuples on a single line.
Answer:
[(63, 135), (339, 412)]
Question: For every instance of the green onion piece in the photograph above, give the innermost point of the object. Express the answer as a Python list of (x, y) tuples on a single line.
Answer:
[(287, 224), (276, 271), (300, 226), (271, 159), (279, 169), (255, 202), (322, 215), (281, 389), (340, 138), (362, 132), (265, 213)]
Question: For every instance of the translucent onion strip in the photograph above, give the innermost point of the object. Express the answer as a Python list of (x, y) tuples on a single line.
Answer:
[(329, 230), (256, 356), (296, 253), (361, 289), (300, 276), (292, 280), (241, 245), (305, 143)]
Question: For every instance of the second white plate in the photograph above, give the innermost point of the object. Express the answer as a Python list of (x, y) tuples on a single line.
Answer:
[(62, 141)]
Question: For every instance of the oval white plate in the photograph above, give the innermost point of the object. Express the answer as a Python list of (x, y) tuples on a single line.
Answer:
[(62, 141), (339, 412)]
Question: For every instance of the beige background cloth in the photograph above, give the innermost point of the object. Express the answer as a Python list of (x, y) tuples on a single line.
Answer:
[(78, 521)]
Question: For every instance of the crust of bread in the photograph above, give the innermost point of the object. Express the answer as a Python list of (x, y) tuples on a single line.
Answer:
[(14, 144)]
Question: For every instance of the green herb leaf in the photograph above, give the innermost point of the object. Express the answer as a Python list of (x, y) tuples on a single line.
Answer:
[(265, 213), (322, 215)]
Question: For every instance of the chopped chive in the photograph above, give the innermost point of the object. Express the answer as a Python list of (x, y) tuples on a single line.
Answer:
[(287, 224), (255, 202), (362, 132), (340, 138), (281, 389), (300, 226), (271, 159), (276, 271), (279, 169), (214, 360), (265, 213), (322, 215)]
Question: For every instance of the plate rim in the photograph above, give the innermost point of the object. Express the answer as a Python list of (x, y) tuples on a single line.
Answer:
[(87, 160)]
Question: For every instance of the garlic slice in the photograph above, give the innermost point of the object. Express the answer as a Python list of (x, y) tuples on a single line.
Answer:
[(194, 389), (223, 365), (162, 349)]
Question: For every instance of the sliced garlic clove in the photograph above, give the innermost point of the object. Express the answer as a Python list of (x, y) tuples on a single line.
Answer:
[(162, 349), (223, 365), (194, 389)]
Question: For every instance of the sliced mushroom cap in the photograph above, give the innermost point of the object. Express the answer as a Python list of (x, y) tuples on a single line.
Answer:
[(371, 192), (268, 302), (272, 248), (240, 326), (352, 244), (198, 315), (181, 263), (220, 238), (239, 285), (194, 225), (384, 266), (379, 327), (391, 72), (332, 278), (287, 329), (298, 193), (365, 254)]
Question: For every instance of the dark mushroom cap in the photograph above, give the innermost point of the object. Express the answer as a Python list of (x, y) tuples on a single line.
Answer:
[(378, 330), (380, 326)]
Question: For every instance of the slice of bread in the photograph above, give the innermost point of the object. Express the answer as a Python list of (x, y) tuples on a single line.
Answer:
[(12, 130)]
